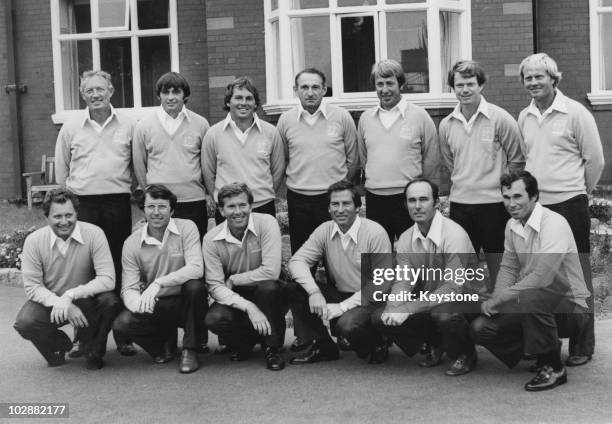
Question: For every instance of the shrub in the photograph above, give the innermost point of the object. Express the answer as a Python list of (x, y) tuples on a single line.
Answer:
[(11, 246)]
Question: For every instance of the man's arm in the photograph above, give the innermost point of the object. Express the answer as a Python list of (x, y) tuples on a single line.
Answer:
[(62, 156), (589, 143), (277, 159), (192, 252), (130, 277), (33, 274), (510, 139), (140, 155), (209, 163), (445, 150), (350, 146), (430, 150), (361, 143), (306, 257), (103, 264)]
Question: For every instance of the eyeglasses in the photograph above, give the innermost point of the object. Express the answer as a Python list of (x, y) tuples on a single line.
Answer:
[(159, 208)]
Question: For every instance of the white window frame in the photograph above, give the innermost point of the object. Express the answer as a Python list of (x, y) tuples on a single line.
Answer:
[(598, 96), (61, 113), (436, 98)]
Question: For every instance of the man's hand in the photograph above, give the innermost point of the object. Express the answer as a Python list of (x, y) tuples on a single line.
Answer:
[(334, 311), (259, 320), (59, 313), (487, 308), (394, 319), (229, 283), (148, 298), (318, 305), (76, 317)]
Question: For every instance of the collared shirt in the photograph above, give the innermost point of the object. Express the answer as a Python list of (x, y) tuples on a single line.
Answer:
[(97, 127), (242, 136), (150, 240), (558, 104), (169, 123), (532, 224), (311, 118), (63, 245), (483, 107), (433, 239), (351, 234), (225, 233), (388, 117)]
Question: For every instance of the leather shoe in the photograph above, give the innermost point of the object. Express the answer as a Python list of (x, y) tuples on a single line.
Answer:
[(241, 354), (274, 360), (126, 349), (299, 345), (462, 365), (167, 354), (343, 344), (204, 348), (189, 361), (76, 351), (317, 352), (432, 358), (577, 360), (223, 349), (546, 379), (56, 359), (94, 362), (379, 355)]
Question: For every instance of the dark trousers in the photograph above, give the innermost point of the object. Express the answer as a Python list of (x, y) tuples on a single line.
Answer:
[(195, 211), (576, 212), (268, 208), (355, 325), (33, 323), (186, 310), (306, 213), (390, 212), (532, 326), (485, 224), (234, 327)]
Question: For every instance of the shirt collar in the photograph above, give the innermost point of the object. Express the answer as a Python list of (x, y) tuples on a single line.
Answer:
[(534, 221), (163, 115), (352, 232), (483, 108), (559, 104), (322, 109), (86, 118), (170, 228), (400, 107), (229, 121), (226, 234), (435, 230), (76, 236)]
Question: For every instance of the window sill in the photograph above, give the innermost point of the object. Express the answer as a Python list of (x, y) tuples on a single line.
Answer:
[(60, 118), (600, 101)]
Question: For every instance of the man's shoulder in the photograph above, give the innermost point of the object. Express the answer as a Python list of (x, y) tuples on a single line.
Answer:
[(37, 235), (217, 128), (288, 115), (125, 118), (404, 241), (264, 221), (373, 228), (498, 112), (196, 117), (185, 226), (368, 114), (210, 235), (146, 121), (452, 231), (90, 230), (576, 108), (554, 221)]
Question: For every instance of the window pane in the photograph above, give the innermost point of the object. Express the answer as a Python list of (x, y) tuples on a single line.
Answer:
[(358, 53), (407, 43), (604, 3), (450, 36), (605, 22), (152, 14), (116, 59), (76, 58), (154, 62), (75, 18), (346, 3), (404, 1), (308, 4), (276, 59), (112, 13), (310, 45), (274, 4)]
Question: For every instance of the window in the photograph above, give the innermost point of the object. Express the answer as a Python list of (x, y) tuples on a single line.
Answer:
[(344, 38), (601, 52), (134, 40)]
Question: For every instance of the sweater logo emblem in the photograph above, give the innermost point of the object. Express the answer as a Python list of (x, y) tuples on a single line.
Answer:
[(558, 126), (334, 130), (406, 131), (121, 136), (263, 147), (487, 134), (190, 140)]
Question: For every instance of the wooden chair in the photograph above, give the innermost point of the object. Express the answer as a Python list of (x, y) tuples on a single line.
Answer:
[(47, 178)]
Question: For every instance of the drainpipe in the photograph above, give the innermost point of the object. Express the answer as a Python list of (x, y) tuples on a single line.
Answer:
[(14, 90), (536, 29)]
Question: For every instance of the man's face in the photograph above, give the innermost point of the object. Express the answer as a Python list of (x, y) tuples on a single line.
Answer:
[(236, 210), (538, 83), (172, 101), (62, 219), (157, 212), (242, 104), (388, 91), (467, 90), (97, 93), (310, 90), (517, 202), (342, 208), (420, 202)]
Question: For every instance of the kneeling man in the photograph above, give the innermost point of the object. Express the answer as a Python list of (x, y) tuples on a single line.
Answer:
[(242, 256), (69, 277), (540, 293), (162, 282), (340, 243)]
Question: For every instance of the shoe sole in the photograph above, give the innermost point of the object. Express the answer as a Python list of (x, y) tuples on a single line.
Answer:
[(577, 364), (543, 388), (324, 359)]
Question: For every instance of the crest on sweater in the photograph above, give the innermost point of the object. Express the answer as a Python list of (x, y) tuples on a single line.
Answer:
[(487, 134), (334, 130), (121, 136), (263, 146), (190, 140), (558, 125), (406, 131)]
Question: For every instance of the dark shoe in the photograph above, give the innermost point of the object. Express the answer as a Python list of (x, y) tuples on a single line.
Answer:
[(223, 349), (546, 379), (462, 365), (535, 368), (204, 348), (577, 360), (126, 349), (528, 357), (189, 361), (432, 358), (76, 351), (424, 349), (94, 362), (274, 360), (343, 344), (241, 354), (299, 345), (167, 354), (56, 359), (317, 352), (379, 355)]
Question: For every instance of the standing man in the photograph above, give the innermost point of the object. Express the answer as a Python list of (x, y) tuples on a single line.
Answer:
[(397, 143), (242, 256), (68, 277), (439, 246), (340, 243), (93, 156), (168, 149), (540, 293), (479, 142), (564, 153), (162, 282), (244, 148)]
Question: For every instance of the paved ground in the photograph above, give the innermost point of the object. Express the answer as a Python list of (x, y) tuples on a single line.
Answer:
[(133, 390)]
